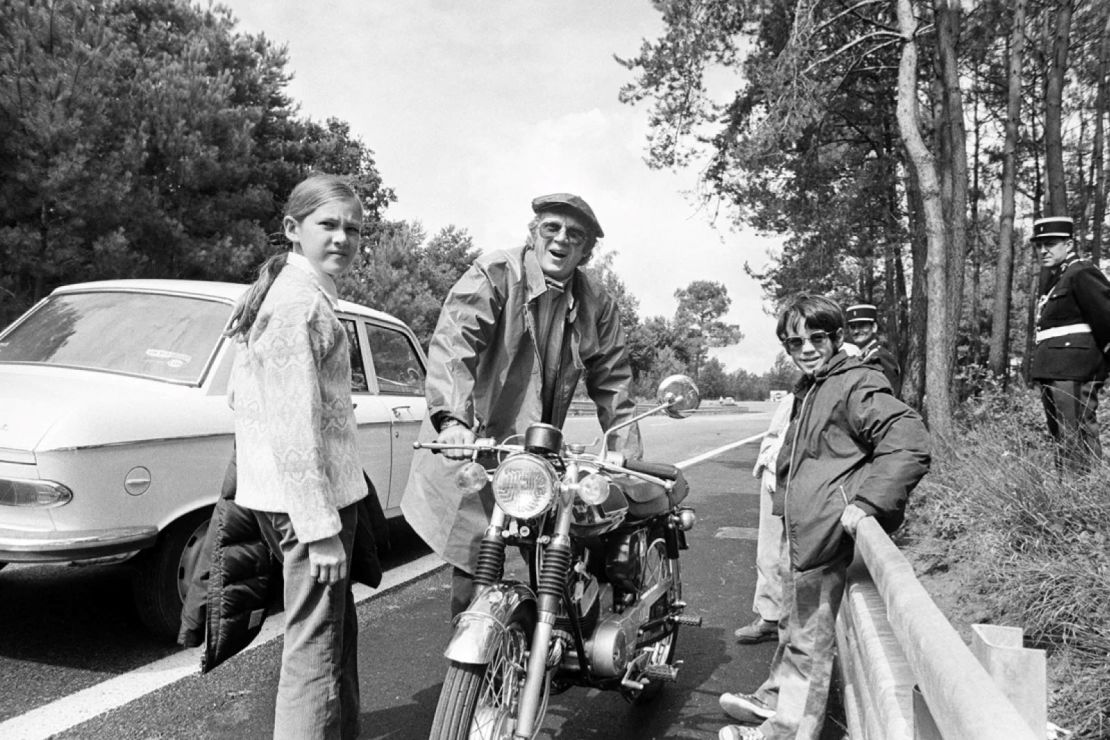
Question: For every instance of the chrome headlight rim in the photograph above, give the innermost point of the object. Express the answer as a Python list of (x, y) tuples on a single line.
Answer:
[(524, 485)]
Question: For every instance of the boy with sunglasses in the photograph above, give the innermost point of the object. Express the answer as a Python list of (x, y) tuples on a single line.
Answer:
[(851, 450)]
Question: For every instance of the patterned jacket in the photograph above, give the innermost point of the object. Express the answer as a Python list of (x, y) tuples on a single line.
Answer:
[(294, 419)]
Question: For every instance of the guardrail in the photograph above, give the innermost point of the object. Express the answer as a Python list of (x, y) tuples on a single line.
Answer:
[(906, 673)]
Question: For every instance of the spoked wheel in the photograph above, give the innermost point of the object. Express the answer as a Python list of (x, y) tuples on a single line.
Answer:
[(480, 702), (660, 654)]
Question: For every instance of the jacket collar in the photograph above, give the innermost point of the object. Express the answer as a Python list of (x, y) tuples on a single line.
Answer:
[(832, 366), (537, 283), (324, 282)]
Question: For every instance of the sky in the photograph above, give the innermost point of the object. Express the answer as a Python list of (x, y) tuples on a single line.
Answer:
[(473, 108)]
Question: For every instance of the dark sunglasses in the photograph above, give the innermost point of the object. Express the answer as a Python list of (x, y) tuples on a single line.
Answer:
[(550, 229), (819, 340)]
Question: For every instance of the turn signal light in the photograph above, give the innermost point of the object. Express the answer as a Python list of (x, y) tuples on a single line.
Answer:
[(471, 478), (41, 494)]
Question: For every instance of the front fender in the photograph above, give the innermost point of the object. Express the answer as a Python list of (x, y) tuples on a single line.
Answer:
[(478, 629)]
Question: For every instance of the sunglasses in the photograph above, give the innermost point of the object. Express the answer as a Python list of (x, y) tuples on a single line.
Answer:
[(819, 340), (551, 229)]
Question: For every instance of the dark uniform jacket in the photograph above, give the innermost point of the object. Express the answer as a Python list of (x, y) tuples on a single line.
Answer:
[(484, 369), (1076, 293), (881, 357), (237, 580), (849, 441)]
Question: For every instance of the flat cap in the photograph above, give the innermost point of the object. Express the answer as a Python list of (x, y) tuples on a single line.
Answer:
[(568, 202), (1053, 227), (862, 312)]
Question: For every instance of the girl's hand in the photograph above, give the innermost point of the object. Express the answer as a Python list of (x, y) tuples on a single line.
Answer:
[(327, 560), (851, 518)]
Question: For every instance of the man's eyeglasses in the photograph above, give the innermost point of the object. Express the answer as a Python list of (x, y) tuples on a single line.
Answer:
[(575, 236), (819, 340)]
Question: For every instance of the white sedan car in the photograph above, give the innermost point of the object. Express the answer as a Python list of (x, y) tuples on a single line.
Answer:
[(115, 431)]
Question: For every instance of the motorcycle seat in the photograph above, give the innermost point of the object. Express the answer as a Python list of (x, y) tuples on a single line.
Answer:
[(647, 499)]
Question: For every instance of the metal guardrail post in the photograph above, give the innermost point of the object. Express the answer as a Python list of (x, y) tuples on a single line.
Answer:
[(1019, 671), (963, 699)]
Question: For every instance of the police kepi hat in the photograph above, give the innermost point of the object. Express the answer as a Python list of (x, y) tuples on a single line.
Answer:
[(568, 202), (862, 312), (1053, 227)]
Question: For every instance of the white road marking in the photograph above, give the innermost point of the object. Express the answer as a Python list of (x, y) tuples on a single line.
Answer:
[(737, 533), (713, 453), (70, 711)]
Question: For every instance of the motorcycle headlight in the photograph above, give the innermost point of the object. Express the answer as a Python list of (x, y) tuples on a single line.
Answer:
[(594, 488), (524, 485)]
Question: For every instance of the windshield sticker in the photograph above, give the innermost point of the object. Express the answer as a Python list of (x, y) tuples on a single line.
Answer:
[(172, 359)]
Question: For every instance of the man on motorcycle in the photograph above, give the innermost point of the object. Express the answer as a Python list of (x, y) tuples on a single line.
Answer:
[(516, 333)]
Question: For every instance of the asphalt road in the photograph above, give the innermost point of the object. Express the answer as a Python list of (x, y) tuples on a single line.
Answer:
[(69, 629)]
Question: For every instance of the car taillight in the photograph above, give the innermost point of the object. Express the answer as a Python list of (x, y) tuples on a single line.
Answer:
[(37, 493)]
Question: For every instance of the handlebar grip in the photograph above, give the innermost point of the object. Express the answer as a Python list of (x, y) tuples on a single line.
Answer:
[(665, 471)]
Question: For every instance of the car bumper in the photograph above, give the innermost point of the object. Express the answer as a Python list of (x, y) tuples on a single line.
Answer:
[(18, 546)]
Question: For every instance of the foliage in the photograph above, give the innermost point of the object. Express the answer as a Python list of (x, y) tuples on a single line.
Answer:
[(701, 305), (404, 274), (148, 138), (1033, 546)]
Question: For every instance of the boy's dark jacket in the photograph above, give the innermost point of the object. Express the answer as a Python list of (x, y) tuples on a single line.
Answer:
[(850, 440), (236, 579)]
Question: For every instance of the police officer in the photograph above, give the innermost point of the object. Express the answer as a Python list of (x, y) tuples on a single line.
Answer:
[(863, 327), (1073, 330)]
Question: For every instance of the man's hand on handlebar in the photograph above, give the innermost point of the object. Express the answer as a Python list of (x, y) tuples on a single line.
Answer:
[(456, 434)]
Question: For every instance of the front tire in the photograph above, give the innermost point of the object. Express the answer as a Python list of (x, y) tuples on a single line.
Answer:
[(164, 573), (481, 700)]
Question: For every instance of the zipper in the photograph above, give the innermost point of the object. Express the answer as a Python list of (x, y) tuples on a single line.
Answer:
[(793, 448)]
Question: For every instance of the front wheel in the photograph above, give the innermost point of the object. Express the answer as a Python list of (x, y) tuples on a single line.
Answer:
[(481, 701)]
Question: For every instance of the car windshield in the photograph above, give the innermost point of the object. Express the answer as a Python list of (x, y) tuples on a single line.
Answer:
[(167, 337)]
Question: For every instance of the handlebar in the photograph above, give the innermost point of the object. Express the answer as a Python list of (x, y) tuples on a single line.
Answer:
[(659, 470)]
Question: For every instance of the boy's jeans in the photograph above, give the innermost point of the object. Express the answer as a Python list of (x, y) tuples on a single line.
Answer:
[(801, 671), (318, 695)]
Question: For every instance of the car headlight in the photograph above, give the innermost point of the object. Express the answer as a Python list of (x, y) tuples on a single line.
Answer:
[(524, 485), (42, 494)]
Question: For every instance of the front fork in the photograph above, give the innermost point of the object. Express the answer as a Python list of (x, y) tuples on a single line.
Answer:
[(552, 580)]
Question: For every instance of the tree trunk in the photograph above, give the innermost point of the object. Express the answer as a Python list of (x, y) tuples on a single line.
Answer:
[(1053, 131), (1004, 272), (938, 406), (975, 352), (913, 385), (953, 131), (1101, 103)]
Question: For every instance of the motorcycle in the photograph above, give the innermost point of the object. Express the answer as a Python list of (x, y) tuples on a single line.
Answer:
[(603, 603)]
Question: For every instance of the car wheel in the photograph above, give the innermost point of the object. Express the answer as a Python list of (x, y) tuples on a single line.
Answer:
[(164, 572)]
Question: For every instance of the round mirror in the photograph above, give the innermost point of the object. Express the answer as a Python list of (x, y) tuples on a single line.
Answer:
[(681, 395)]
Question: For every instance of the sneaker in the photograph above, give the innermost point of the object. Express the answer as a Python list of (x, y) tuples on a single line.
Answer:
[(746, 708), (736, 732), (761, 630)]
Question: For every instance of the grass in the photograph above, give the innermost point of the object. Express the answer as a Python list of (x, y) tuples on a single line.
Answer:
[(998, 537)]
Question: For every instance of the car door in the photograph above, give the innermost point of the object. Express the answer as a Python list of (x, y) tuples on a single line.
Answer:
[(375, 440), (398, 372)]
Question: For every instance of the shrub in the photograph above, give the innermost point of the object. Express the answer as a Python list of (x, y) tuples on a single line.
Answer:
[(1039, 544)]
